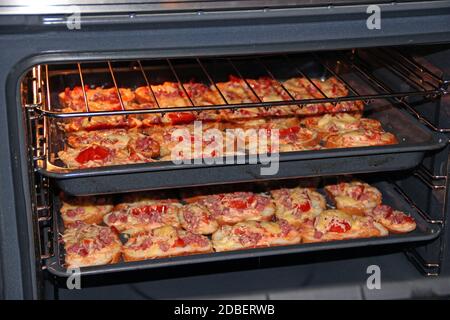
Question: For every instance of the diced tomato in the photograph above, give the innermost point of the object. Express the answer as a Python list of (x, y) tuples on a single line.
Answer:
[(408, 219), (289, 131), (83, 252), (181, 117), (304, 207), (341, 226), (67, 93), (242, 203), (92, 153), (234, 79), (389, 212), (334, 90), (114, 230), (238, 204), (179, 243)]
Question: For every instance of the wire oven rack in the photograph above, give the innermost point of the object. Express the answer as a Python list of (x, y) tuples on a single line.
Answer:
[(348, 68)]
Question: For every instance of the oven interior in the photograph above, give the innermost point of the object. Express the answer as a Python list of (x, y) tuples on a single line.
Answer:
[(404, 89)]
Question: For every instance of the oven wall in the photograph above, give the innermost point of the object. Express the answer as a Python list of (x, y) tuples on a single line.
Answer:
[(28, 40)]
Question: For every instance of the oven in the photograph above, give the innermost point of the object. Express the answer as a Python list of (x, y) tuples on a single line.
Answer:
[(75, 73)]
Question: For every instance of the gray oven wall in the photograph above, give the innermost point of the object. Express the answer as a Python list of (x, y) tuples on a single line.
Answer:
[(26, 40)]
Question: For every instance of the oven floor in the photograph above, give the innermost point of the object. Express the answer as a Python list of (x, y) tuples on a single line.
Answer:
[(286, 278)]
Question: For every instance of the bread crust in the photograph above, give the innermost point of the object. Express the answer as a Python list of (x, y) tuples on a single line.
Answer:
[(142, 216), (91, 212), (107, 255), (345, 227), (234, 207), (90, 245), (129, 257), (265, 215), (308, 232), (228, 238), (297, 197), (197, 219), (162, 242), (336, 140), (393, 220), (340, 193)]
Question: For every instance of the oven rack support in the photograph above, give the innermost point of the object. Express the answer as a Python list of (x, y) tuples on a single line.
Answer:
[(429, 267), (39, 185), (421, 81)]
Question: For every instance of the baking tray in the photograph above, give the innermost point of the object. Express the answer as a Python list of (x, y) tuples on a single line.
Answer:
[(414, 141), (425, 231)]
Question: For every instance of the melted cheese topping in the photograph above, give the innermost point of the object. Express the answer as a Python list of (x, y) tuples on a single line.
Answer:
[(324, 221), (346, 201), (88, 208), (85, 233), (340, 121), (109, 138)]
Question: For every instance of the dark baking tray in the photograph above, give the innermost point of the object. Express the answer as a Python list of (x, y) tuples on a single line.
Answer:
[(424, 232), (414, 141)]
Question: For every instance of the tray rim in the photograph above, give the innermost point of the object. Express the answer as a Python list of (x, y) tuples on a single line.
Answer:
[(439, 141)]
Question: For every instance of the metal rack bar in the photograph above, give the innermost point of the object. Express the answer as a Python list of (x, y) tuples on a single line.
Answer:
[(414, 64), (243, 78), (180, 84), (429, 174), (269, 72), (423, 177), (427, 269), (36, 74), (383, 92), (122, 106), (409, 64), (54, 114), (390, 65), (374, 80), (82, 88), (323, 63), (301, 73), (150, 89), (412, 204), (39, 185), (211, 80)]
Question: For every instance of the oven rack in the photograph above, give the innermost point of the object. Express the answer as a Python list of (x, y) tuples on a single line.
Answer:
[(353, 69)]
